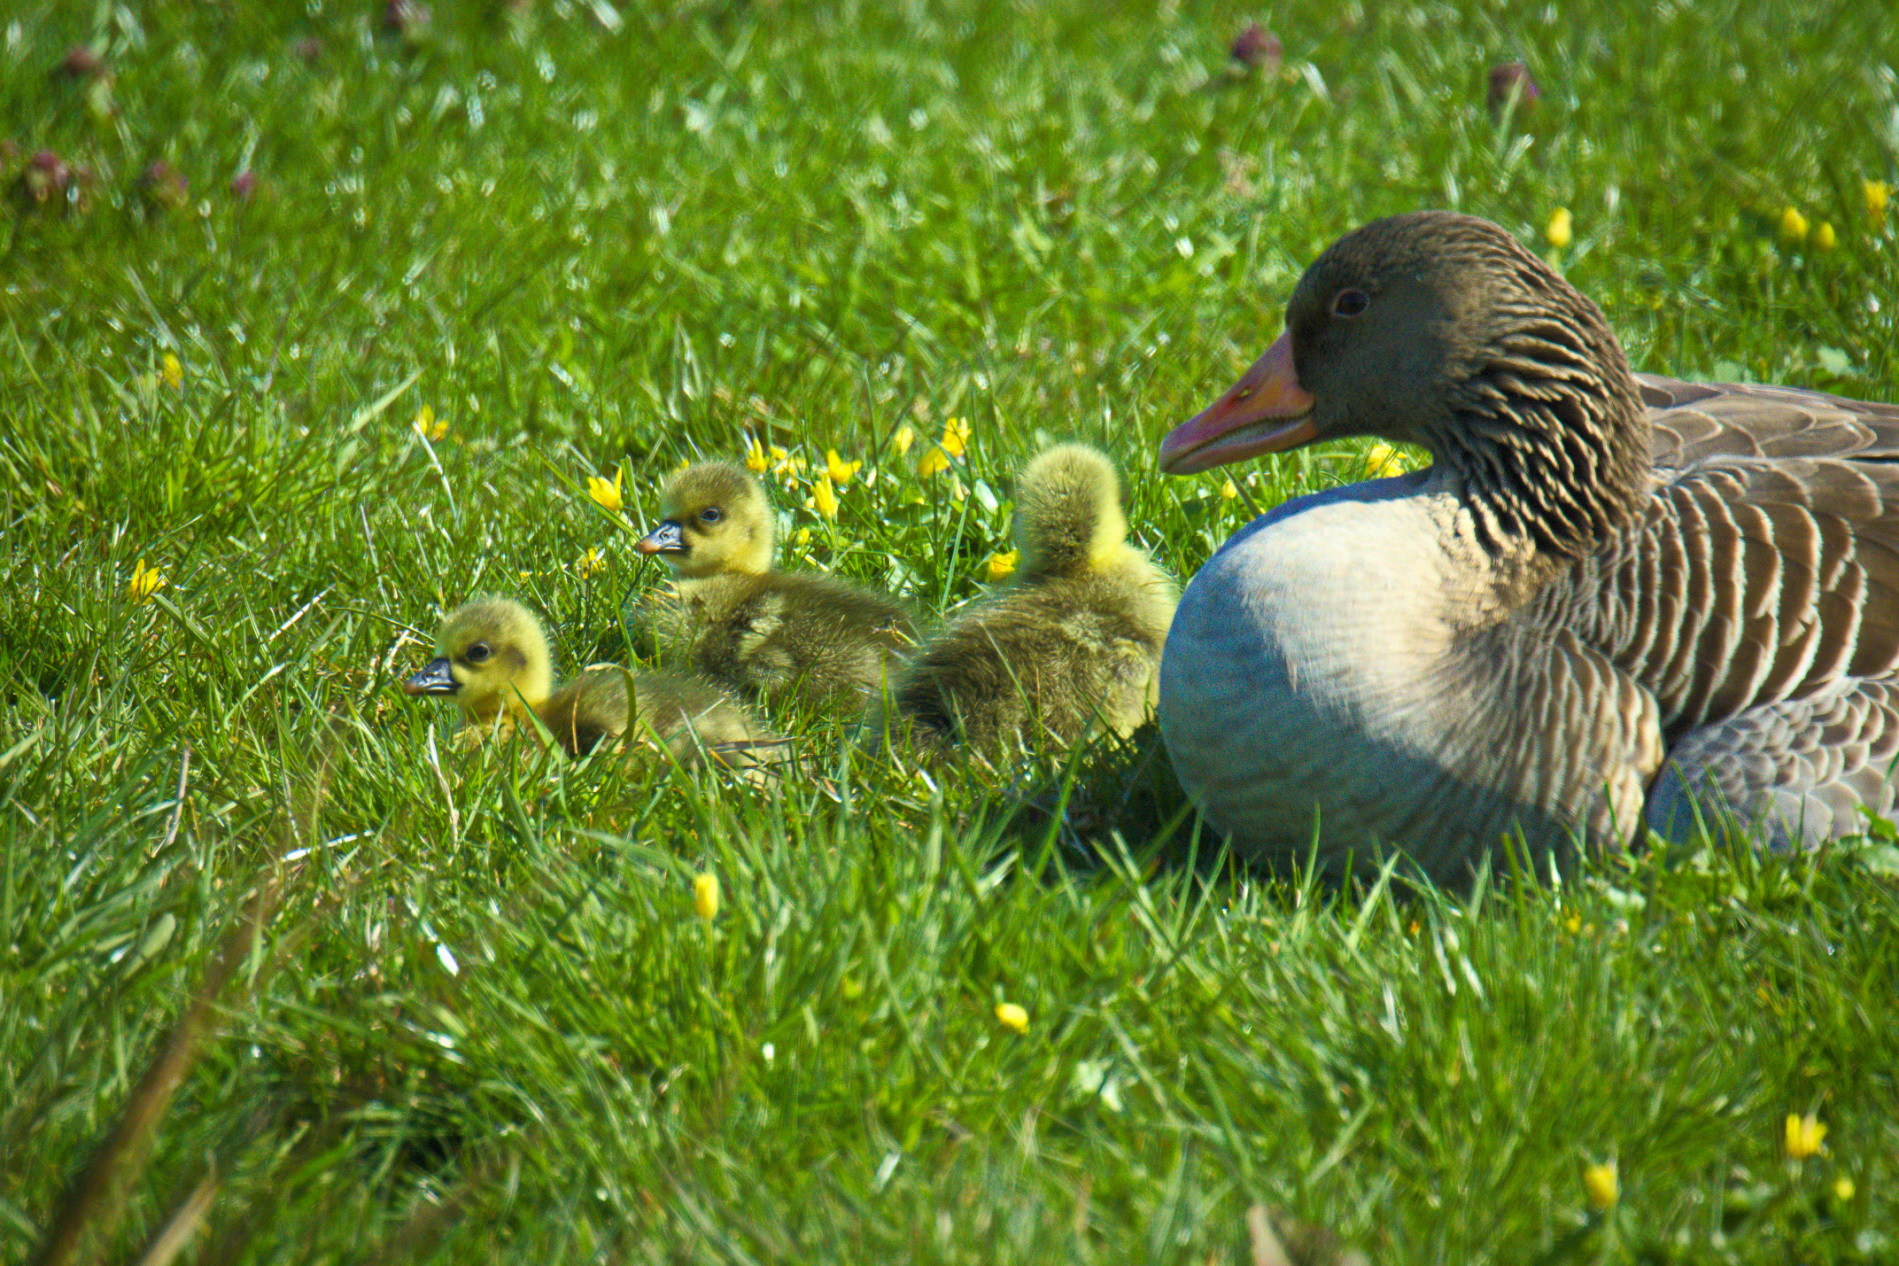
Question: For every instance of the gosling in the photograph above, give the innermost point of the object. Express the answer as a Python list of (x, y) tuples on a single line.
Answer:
[(492, 655), (1071, 646), (765, 634)]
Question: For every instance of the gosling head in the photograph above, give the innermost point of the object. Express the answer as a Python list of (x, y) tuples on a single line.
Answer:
[(492, 656), (714, 519), (1068, 518)]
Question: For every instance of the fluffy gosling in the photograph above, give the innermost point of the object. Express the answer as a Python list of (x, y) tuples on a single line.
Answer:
[(764, 633), (492, 655), (1072, 644)]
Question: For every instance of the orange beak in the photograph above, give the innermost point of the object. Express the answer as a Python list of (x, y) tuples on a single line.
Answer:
[(1266, 411)]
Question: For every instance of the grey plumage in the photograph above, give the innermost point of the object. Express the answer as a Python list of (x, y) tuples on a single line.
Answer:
[(1611, 600)]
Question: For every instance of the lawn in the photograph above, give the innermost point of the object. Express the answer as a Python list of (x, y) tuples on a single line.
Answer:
[(319, 318)]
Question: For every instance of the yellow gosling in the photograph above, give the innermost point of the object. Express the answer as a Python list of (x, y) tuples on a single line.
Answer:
[(761, 632)]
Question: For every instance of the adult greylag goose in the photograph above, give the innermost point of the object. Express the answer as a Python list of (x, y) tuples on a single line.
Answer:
[(1612, 601), (1072, 643), (762, 632), (492, 657)]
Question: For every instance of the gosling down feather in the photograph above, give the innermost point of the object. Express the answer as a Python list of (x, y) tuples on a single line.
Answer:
[(492, 656), (1073, 642), (1612, 602), (764, 633)]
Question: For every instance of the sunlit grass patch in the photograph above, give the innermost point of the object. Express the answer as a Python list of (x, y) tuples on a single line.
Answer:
[(319, 320)]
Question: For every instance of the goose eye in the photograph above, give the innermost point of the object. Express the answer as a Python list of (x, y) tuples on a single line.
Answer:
[(711, 514), (1350, 302), (478, 653)]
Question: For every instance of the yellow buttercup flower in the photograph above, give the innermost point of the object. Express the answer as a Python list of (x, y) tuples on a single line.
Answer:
[(1602, 1185), (145, 582), (705, 896), (837, 469), (1806, 1136), (427, 427), (1011, 1016), (755, 459), (1573, 924), (1560, 228), (903, 439), (1793, 227), (1229, 490), (606, 495), (1382, 460), (172, 372), (933, 462), (801, 538), (1877, 193), (955, 437), (590, 562), (785, 463), (1823, 238), (1002, 566), (824, 497)]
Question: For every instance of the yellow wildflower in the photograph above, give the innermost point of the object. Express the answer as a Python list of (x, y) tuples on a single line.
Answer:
[(590, 562), (1382, 459), (1843, 1189), (145, 582), (705, 896), (801, 538), (1793, 227), (933, 462), (172, 371), (1573, 924), (1560, 227), (606, 495), (1011, 1016), (1229, 490), (1002, 566), (1806, 1136), (1823, 238), (1601, 1185), (1877, 192), (784, 463), (837, 469), (755, 459), (824, 496), (903, 439), (428, 428), (955, 436)]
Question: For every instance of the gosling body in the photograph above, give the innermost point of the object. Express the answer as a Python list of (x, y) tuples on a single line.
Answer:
[(492, 656), (764, 633), (1071, 646)]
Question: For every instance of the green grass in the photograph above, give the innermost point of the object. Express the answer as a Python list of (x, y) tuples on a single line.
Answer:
[(476, 1016)]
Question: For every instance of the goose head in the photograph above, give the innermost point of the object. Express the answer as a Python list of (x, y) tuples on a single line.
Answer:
[(714, 520), (492, 656), (1441, 330), (1068, 516)]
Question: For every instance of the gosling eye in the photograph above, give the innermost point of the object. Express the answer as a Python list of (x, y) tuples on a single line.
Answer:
[(1350, 302), (711, 514), (478, 653)]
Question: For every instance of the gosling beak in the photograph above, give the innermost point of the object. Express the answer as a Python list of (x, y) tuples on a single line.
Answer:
[(667, 538), (1266, 411), (435, 678)]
